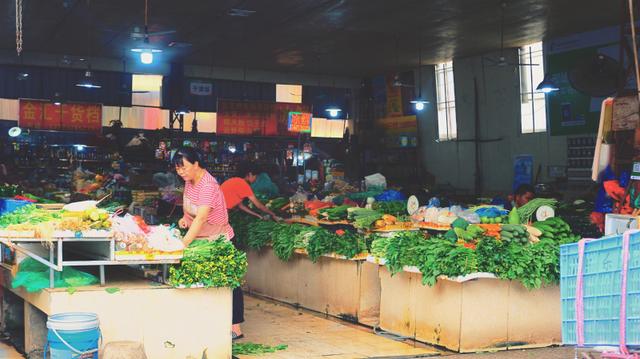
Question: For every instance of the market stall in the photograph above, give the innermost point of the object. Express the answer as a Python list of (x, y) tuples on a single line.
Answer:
[(352, 262), (56, 260)]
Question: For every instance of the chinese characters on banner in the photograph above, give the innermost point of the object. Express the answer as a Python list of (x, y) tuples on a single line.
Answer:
[(394, 98), (255, 118), (44, 115), (299, 122)]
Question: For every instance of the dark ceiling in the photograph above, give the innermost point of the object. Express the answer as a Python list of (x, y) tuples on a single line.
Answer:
[(345, 37)]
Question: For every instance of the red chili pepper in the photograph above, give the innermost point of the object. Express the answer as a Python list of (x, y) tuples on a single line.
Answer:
[(470, 245), (23, 198), (340, 232)]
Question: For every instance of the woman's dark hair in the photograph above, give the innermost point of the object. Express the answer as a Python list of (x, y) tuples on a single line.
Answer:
[(523, 189), (245, 168), (188, 153)]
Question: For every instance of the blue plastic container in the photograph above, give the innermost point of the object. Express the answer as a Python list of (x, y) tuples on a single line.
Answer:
[(72, 336), (9, 205), (602, 274)]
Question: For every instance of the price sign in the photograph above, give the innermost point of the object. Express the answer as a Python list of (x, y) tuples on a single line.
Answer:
[(299, 122)]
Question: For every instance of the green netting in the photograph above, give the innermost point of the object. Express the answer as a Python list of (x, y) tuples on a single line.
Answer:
[(34, 277)]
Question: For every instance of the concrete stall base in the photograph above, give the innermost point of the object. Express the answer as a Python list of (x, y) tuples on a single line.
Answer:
[(478, 315), (170, 323), (348, 289)]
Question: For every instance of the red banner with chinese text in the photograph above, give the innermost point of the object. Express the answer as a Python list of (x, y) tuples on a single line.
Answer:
[(255, 118), (299, 122), (44, 115)]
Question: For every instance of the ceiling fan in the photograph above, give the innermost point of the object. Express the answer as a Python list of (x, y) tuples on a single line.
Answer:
[(501, 61)]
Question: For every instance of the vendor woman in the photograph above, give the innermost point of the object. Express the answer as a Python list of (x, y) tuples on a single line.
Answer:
[(236, 190), (205, 212)]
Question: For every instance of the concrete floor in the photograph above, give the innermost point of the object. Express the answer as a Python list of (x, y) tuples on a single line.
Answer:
[(310, 335), (7, 352)]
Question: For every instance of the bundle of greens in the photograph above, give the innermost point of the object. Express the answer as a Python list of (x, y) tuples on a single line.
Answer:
[(241, 222), (363, 218), (322, 242), (338, 213), (349, 244), (436, 257), (28, 214), (210, 263), (402, 250), (379, 246), (260, 234), (528, 210), (344, 243), (394, 208), (288, 238), (534, 265)]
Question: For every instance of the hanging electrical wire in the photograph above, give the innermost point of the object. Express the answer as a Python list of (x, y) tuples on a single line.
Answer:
[(19, 27)]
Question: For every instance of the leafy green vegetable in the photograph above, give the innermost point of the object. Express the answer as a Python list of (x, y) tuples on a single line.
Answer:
[(363, 218), (256, 349), (438, 257), (27, 214), (395, 208), (402, 251), (260, 234), (379, 246), (338, 213), (288, 238), (112, 290), (211, 263)]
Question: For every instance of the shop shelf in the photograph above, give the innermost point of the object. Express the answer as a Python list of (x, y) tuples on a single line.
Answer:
[(602, 291)]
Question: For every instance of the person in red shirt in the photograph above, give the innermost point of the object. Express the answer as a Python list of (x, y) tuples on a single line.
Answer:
[(237, 189)]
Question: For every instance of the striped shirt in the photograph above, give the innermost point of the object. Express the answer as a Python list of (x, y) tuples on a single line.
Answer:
[(207, 193)]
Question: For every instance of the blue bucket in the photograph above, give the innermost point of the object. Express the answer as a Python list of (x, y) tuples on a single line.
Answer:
[(73, 336)]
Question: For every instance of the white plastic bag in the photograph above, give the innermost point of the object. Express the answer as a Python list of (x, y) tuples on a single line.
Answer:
[(375, 181)]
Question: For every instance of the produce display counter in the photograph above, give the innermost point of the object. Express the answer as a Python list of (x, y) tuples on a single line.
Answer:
[(170, 323), (467, 314), (95, 248), (345, 288)]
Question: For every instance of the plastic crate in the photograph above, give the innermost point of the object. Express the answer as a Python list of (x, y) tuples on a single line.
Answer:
[(601, 291), (9, 205)]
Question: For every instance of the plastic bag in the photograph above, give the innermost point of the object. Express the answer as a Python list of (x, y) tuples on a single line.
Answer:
[(390, 195), (34, 277), (375, 181)]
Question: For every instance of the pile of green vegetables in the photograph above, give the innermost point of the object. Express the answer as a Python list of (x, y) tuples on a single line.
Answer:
[(27, 214), (533, 264), (394, 208), (256, 349), (210, 263), (344, 243), (286, 238)]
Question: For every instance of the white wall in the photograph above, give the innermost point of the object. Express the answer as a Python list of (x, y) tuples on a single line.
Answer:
[(453, 162)]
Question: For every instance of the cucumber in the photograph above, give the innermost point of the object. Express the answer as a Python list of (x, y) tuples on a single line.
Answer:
[(506, 234)]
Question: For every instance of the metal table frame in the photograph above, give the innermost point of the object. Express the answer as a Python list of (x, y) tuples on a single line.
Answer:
[(56, 261)]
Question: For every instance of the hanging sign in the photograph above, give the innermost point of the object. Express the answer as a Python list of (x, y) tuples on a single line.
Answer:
[(38, 114), (299, 122), (200, 88)]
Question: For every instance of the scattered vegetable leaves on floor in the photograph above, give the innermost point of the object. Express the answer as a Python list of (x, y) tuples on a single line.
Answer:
[(256, 349)]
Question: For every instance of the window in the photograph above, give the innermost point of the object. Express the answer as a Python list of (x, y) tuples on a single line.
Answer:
[(322, 127), (148, 90), (446, 99), (533, 109), (289, 93)]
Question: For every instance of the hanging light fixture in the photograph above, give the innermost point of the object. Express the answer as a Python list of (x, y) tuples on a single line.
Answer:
[(418, 102), (87, 81), (333, 111), (547, 85), (146, 51), (57, 99)]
